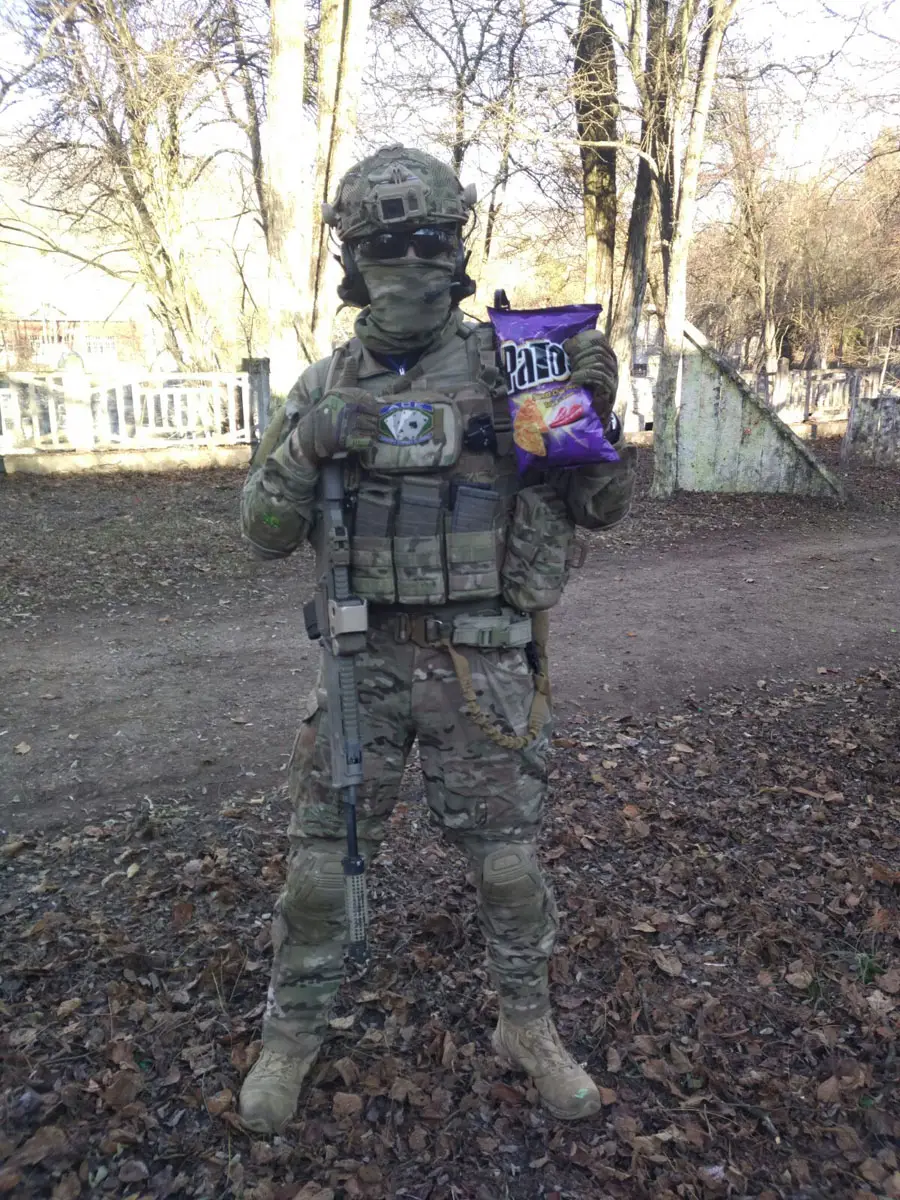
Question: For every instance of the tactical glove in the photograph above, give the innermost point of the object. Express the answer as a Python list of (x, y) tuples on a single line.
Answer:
[(345, 421), (595, 367)]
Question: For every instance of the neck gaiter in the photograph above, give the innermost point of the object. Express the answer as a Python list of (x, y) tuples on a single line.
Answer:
[(409, 303)]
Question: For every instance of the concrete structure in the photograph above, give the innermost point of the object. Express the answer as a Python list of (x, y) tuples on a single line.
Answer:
[(98, 462), (816, 396), (799, 396), (873, 431), (729, 440)]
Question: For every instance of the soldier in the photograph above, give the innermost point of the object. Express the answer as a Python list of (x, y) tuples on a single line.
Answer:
[(451, 547)]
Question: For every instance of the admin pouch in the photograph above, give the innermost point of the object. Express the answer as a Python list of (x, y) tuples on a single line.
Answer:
[(421, 431), (539, 550)]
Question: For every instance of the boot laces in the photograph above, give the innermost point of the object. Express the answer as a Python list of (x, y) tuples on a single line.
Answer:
[(281, 1068), (540, 1039)]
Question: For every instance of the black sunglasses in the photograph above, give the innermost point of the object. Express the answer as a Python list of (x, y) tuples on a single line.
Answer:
[(427, 242)]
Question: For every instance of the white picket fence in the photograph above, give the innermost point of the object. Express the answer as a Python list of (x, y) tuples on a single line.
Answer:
[(60, 411)]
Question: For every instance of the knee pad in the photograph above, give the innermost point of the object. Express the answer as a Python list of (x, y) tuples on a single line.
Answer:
[(512, 879), (314, 891)]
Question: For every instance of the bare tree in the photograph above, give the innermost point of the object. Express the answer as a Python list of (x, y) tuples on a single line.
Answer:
[(116, 93), (343, 28), (666, 396), (595, 91), (286, 199)]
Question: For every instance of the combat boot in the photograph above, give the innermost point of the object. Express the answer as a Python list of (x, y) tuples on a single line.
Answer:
[(270, 1092), (567, 1091)]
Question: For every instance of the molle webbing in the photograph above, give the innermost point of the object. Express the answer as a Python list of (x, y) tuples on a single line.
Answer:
[(483, 365)]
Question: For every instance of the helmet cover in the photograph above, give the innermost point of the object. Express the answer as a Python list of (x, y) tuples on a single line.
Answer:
[(397, 188)]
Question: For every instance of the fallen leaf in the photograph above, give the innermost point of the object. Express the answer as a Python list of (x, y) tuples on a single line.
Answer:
[(123, 1089), (418, 1140), (69, 1006), (49, 1142), (10, 1178), (502, 1093), (68, 1188), (313, 1191), (346, 1104), (133, 1171), (12, 848), (220, 1102), (829, 1092), (667, 961), (799, 979), (872, 1171)]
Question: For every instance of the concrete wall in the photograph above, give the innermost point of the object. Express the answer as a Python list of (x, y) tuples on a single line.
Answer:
[(160, 458), (798, 395), (873, 431), (795, 394), (729, 440)]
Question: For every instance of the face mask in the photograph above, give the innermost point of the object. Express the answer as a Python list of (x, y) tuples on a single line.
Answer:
[(409, 302)]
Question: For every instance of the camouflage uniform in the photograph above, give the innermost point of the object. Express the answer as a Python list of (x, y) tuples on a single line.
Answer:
[(485, 796)]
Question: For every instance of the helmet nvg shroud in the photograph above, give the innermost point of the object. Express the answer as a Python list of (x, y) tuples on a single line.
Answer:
[(397, 188)]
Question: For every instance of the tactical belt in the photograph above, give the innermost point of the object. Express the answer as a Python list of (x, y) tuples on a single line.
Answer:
[(505, 631)]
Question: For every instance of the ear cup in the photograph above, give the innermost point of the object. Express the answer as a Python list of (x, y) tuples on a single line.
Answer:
[(352, 288), (463, 285)]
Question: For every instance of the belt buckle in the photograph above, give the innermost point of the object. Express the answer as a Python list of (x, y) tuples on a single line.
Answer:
[(404, 628), (437, 631)]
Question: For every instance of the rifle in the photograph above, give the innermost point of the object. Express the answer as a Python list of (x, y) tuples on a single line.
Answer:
[(341, 620)]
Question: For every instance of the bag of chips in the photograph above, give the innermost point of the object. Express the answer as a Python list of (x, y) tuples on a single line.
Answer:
[(554, 423)]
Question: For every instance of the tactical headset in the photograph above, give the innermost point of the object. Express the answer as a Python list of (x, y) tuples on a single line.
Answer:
[(353, 291)]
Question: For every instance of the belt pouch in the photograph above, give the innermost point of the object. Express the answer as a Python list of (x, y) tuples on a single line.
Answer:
[(474, 544), (371, 551), (418, 543), (536, 563)]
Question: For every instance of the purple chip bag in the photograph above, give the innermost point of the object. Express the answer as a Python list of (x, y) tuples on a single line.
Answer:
[(554, 423)]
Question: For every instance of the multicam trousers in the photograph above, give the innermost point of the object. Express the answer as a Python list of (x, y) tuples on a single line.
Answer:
[(488, 800)]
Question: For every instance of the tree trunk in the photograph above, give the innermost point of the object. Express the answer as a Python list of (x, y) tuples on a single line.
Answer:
[(630, 300), (288, 187), (629, 306), (342, 35), (667, 396), (501, 179), (597, 114)]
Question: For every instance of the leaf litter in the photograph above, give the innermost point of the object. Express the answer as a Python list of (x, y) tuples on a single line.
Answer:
[(728, 969), (728, 966)]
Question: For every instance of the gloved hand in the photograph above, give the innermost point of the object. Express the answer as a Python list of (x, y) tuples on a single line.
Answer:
[(345, 421), (595, 367)]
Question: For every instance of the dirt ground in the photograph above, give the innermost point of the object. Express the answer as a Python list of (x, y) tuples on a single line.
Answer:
[(723, 839)]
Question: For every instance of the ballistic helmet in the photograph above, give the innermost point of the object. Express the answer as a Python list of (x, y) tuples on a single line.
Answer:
[(397, 188)]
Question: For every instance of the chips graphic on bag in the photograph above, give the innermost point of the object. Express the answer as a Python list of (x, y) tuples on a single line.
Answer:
[(529, 428), (554, 423)]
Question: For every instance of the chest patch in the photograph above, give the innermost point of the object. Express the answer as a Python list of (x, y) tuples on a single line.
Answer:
[(406, 423)]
